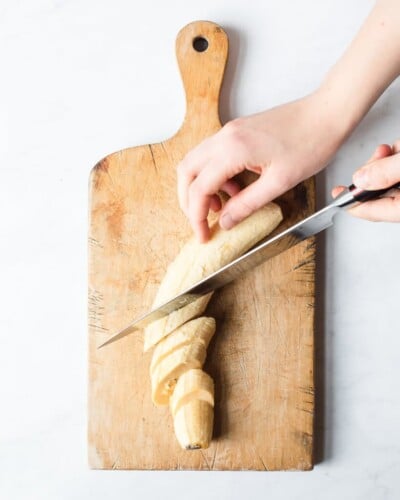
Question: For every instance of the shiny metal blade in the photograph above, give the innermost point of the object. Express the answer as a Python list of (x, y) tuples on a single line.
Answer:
[(254, 257)]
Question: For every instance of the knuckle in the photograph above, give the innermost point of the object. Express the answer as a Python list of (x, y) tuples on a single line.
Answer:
[(247, 206), (197, 189), (283, 180), (244, 207), (235, 124), (234, 130), (185, 166)]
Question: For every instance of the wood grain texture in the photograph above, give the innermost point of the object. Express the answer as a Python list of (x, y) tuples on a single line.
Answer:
[(261, 357)]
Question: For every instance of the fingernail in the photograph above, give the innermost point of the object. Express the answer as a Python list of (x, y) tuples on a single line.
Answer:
[(226, 221), (360, 178)]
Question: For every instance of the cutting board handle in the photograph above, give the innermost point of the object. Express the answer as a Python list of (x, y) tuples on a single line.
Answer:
[(202, 51)]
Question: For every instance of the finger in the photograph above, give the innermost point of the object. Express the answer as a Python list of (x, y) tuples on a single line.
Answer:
[(337, 190), (378, 174), (200, 226), (201, 190), (250, 199), (184, 179), (230, 187), (189, 168), (383, 209), (380, 152), (215, 203)]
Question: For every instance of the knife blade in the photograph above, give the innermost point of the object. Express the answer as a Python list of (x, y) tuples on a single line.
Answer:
[(310, 226)]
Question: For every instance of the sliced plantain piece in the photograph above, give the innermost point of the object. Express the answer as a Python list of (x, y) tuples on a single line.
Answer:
[(197, 260), (167, 372), (193, 384), (199, 329), (193, 424), (160, 328)]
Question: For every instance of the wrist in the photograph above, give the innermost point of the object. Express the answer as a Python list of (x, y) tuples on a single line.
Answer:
[(365, 70), (340, 115)]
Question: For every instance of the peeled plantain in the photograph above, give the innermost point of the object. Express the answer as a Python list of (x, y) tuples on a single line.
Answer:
[(181, 342)]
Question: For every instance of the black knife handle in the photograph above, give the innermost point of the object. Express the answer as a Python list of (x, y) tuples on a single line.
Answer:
[(354, 195), (361, 195)]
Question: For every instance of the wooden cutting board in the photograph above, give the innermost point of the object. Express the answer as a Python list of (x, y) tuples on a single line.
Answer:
[(261, 357)]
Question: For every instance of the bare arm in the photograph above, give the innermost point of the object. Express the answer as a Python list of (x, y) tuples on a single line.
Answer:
[(367, 68), (289, 143)]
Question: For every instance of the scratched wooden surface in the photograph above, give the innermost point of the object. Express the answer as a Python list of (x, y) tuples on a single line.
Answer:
[(261, 358)]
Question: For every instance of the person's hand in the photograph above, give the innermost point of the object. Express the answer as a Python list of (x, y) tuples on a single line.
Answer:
[(284, 145), (382, 170), (291, 142)]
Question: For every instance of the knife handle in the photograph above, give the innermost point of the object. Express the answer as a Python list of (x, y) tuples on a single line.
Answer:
[(361, 195), (354, 195)]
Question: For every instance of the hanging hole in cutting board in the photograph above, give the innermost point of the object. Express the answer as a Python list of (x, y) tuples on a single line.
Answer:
[(200, 44)]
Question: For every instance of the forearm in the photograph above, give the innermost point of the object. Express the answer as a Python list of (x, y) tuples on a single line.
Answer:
[(291, 142), (365, 70)]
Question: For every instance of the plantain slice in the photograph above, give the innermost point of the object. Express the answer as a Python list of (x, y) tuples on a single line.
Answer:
[(167, 372), (193, 424), (199, 329), (193, 384)]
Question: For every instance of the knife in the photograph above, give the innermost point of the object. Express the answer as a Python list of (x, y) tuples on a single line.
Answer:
[(265, 250)]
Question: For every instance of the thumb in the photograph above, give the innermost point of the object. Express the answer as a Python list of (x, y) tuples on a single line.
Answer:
[(250, 199)]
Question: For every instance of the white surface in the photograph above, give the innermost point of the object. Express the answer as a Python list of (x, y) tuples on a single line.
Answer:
[(82, 79)]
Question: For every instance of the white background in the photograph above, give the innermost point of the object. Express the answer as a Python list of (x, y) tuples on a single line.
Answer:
[(81, 79)]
